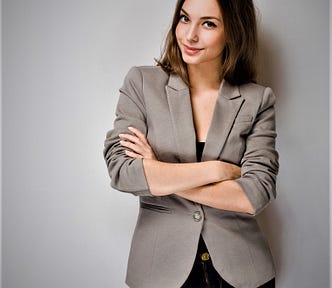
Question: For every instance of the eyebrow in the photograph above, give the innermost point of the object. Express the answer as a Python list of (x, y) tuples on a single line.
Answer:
[(204, 17)]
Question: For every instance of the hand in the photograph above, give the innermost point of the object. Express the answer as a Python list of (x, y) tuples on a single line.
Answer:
[(138, 145)]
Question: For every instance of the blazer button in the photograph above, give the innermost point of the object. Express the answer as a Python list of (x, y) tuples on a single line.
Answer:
[(197, 216)]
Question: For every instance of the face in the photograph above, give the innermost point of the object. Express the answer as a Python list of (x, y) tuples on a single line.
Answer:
[(200, 32)]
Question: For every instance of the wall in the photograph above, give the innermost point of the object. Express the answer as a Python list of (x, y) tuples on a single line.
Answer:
[(63, 62), (0, 143), (330, 130), (294, 43)]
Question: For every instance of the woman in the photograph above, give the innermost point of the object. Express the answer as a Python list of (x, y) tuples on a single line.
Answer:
[(194, 138)]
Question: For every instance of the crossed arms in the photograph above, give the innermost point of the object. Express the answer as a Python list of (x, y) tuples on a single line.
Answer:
[(209, 183)]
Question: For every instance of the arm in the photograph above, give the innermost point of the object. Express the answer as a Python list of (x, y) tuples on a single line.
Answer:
[(129, 173), (193, 181), (225, 195), (168, 178), (202, 182), (256, 187), (259, 165)]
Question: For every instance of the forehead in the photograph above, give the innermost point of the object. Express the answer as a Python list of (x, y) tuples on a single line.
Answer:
[(202, 8)]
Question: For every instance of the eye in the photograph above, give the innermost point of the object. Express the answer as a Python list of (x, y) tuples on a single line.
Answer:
[(209, 24), (184, 18)]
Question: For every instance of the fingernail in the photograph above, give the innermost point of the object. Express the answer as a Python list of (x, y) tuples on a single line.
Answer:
[(130, 128)]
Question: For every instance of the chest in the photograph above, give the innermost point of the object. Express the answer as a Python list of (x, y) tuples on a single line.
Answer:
[(203, 106), (175, 121)]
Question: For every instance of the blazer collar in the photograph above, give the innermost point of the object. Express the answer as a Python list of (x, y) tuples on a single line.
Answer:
[(226, 90), (227, 107), (175, 82), (229, 91)]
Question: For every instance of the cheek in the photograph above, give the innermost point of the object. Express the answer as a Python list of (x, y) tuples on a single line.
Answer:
[(178, 32), (218, 43)]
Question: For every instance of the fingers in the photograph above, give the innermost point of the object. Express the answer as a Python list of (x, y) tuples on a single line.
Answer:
[(133, 143), (130, 138), (138, 145), (130, 145), (139, 134), (133, 154), (138, 138)]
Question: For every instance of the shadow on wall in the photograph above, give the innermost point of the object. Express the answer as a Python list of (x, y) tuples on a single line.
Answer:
[(270, 74), (269, 60), (271, 224)]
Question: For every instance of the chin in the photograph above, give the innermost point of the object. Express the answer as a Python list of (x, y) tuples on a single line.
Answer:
[(190, 60)]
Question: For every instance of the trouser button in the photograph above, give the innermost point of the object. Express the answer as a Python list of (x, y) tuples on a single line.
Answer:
[(205, 256)]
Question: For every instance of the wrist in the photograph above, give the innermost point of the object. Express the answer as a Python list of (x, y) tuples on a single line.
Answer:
[(223, 171), (218, 171)]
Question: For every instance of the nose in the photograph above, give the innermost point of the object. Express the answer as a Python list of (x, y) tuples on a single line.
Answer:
[(192, 33)]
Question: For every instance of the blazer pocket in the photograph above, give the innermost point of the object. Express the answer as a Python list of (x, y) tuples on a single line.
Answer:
[(243, 118), (156, 208), (242, 126)]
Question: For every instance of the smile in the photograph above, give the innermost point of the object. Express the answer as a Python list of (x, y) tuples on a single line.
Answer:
[(191, 50)]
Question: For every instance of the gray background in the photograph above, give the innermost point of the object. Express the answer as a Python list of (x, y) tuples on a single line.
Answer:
[(63, 62)]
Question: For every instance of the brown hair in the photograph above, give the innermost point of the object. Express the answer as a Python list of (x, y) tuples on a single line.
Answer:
[(239, 54)]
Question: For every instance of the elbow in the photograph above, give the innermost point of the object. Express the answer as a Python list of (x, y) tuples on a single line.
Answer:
[(248, 207), (159, 192), (250, 210), (259, 193), (125, 189), (255, 210), (256, 207), (128, 176)]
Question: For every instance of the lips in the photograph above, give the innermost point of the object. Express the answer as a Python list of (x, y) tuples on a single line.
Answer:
[(191, 50)]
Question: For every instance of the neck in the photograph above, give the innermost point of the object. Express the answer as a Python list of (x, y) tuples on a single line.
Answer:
[(202, 78)]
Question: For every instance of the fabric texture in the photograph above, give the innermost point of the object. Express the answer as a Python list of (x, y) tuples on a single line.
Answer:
[(203, 274), (168, 228)]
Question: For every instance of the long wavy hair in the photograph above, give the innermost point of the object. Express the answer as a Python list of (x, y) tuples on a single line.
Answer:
[(239, 54)]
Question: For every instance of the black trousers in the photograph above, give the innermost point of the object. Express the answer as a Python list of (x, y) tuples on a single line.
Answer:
[(203, 274)]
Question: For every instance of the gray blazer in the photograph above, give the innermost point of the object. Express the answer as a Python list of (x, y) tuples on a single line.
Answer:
[(166, 236)]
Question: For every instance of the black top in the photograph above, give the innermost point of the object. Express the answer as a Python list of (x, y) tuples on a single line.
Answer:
[(203, 271), (201, 246), (199, 150)]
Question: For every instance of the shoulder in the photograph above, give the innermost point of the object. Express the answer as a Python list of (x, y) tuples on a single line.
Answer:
[(254, 90), (145, 82), (257, 93), (147, 74)]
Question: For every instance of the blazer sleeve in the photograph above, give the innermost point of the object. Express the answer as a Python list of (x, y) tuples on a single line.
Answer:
[(260, 161), (127, 174)]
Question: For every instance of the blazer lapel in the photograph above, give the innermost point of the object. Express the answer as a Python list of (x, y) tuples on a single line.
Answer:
[(178, 96), (227, 107)]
